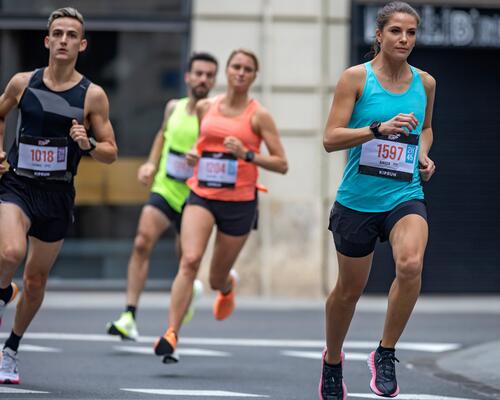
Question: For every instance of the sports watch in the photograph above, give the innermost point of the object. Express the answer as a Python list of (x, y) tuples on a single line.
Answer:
[(249, 156), (374, 126), (93, 145)]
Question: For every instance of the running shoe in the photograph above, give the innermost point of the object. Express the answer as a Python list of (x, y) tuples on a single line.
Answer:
[(125, 327), (3, 304), (8, 367), (331, 383), (195, 297), (224, 303), (382, 366), (165, 347)]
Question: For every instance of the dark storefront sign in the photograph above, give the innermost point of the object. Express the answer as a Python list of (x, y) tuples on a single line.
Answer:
[(447, 26), (460, 48)]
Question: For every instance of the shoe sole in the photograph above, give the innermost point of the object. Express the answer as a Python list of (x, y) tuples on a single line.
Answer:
[(10, 382), (171, 358), (114, 331), (373, 387), (320, 386)]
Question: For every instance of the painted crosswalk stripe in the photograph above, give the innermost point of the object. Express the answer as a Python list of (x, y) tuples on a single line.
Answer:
[(36, 349), (408, 397), (414, 346), (181, 351), (19, 391), (194, 393), (316, 355)]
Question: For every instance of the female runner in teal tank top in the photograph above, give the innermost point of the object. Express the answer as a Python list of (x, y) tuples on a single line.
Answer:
[(381, 114)]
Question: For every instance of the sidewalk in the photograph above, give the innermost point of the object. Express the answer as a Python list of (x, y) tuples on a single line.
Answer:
[(478, 363)]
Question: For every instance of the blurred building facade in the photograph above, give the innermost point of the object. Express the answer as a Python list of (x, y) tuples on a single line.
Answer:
[(137, 52)]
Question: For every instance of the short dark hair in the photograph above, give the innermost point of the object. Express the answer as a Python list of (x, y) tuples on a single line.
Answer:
[(201, 56), (66, 12)]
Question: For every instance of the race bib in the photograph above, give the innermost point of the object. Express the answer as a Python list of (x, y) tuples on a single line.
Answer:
[(217, 170), (393, 157), (177, 167), (43, 157)]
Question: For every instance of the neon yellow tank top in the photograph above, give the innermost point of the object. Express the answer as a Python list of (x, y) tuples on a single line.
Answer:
[(180, 135)]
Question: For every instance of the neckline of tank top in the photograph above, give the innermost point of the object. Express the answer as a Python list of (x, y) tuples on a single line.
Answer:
[(413, 79), (61, 91), (217, 107)]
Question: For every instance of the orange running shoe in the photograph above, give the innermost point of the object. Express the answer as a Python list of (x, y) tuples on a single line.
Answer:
[(165, 346), (224, 303), (3, 304)]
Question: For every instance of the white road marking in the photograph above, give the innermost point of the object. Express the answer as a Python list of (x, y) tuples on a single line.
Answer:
[(316, 355), (180, 351), (194, 393), (427, 347), (408, 397), (19, 391), (38, 349)]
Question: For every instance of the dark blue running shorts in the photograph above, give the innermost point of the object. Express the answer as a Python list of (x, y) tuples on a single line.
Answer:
[(235, 218), (48, 205), (355, 233), (158, 201)]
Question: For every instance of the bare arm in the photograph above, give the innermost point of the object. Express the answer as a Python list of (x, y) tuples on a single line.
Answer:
[(97, 115), (427, 166), (349, 88), (8, 100), (202, 107), (263, 124), (147, 170)]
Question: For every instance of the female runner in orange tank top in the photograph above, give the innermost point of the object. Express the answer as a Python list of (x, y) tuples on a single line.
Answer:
[(223, 191)]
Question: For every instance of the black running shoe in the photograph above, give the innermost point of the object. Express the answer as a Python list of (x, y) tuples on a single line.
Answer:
[(382, 366), (331, 383)]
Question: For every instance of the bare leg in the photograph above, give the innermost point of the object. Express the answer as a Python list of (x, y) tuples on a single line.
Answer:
[(197, 224), (14, 226), (41, 258), (226, 251), (408, 239), (340, 305), (152, 224)]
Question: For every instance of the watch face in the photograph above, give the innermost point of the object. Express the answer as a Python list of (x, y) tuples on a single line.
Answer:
[(375, 125)]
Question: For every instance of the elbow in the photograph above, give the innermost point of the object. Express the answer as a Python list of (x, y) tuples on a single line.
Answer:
[(329, 145), (111, 157), (283, 167)]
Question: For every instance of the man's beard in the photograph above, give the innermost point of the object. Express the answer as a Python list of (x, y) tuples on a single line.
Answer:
[(200, 92)]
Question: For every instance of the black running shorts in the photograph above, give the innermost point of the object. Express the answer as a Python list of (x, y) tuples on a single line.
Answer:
[(235, 218), (48, 205), (355, 233), (158, 201)]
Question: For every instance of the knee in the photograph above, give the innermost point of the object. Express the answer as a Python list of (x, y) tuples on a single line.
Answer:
[(189, 265), (34, 285), (12, 255), (409, 267), (347, 294), (143, 243)]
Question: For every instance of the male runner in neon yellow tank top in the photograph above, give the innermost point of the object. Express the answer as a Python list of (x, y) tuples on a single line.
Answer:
[(177, 135)]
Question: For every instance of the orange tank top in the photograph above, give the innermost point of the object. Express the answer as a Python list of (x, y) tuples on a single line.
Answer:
[(219, 175)]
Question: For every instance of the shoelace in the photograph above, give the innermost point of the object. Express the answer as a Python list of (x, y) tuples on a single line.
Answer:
[(386, 365), (9, 363), (332, 383)]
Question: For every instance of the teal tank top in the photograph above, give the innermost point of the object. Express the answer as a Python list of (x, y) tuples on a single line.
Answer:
[(375, 192)]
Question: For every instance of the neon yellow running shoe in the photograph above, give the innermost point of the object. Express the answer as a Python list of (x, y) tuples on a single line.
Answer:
[(125, 327), (197, 292)]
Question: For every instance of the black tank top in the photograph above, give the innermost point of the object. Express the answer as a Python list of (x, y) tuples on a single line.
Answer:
[(43, 149)]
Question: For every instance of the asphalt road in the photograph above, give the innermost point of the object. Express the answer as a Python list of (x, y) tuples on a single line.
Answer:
[(265, 350)]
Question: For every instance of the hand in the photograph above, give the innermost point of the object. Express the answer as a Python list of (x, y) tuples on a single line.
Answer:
[(235, 146), (3, 156), (79, 134), (401, 123), (192, 157), (146, 173), (426, 167)]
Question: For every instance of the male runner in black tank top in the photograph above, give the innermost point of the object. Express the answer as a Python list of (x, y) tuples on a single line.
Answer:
[(57, 106)]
